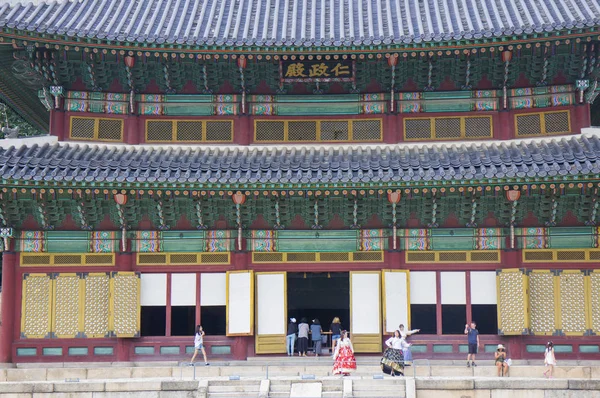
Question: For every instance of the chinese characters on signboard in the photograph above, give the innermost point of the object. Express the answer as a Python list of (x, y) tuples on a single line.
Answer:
[(317, 71)]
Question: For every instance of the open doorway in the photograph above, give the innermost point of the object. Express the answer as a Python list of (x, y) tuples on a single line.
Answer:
[(322, 295)]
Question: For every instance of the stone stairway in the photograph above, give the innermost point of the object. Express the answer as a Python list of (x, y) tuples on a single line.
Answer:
[(233, 388), (293, 380)]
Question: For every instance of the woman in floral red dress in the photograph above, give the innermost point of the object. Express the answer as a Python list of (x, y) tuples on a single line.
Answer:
[(344, 361)]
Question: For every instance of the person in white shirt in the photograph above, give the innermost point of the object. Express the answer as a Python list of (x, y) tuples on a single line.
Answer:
[(392, 362), (199, 344), (404, 334)]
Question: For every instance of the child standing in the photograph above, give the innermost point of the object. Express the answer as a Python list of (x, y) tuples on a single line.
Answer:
[(549, 359), (199, 344)]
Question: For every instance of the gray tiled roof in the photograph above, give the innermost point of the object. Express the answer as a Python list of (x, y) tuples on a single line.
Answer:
[(575, 156), (298, 22)]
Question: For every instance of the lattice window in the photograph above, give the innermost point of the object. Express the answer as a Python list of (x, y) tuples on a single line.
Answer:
[(35, 260), (366, 130), (334, 131), (453, 256), (267, 257), (417, 129), (82, 128), (532, 255), (301, 257), (159, 130), (416, 257), (302, 131), (219, 131), (368, 256), (152, 259), (447, 128), (334, 257), (570, 255), (110, 129), (101, 259), (189, 131), (184, 258), (541, 294), (318, 130), (485, 257), (101, 129), (557, 122), (270, 131), (478, 127), (529, 124), (535, 124), (67, 259), (594, 255), (214, 258)]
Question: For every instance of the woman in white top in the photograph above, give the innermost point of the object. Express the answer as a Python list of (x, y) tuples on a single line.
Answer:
[(199, 344), (549, 359), (404, 334), (393, 358)]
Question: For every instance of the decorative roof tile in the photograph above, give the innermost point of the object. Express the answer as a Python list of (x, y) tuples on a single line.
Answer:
[(60, 162), (298, 22)]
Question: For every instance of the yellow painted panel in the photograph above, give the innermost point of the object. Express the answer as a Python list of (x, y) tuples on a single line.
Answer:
[(594, 298), (270, 344), (366, 342), (572, 307), (125, 301), (97, 305), (542, 302), (36, 306), (513, 302), (65, 322)]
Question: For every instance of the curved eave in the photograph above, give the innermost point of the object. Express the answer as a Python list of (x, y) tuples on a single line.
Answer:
[(590, 178), (23, 38)]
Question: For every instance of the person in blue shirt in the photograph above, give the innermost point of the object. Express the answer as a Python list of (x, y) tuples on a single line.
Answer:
[(315, 331), (473, 341)]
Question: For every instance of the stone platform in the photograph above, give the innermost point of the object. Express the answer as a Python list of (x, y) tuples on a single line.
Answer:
[(294, 377)]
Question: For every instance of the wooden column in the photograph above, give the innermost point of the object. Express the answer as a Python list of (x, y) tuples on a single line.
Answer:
[(438, 301), (124, 263), (57, 124), (198, 302), (239, 349), (468, 289), (168, 307), (10, 302)]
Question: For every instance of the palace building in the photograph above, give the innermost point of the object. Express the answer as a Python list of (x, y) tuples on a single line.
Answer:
[(234, 163)]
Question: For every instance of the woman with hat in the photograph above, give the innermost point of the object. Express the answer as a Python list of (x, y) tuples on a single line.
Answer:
[(500, 361)]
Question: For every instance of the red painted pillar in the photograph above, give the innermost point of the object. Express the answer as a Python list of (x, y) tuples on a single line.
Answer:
[(124, 263), (390, 129), (240, 261), (243, 130), (9, 303), (504, 126), (168, 309), (57, 124), (198, 303), (580, 117), (133, 133), (438, 304), (468, 289)]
